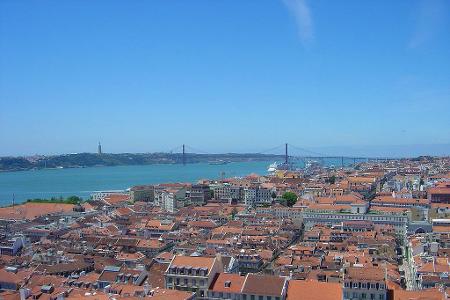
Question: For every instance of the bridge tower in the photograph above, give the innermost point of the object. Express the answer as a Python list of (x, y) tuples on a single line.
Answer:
[(184, 155), (286, 154)]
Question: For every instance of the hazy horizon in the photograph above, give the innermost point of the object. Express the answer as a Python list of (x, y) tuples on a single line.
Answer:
[(392, 151)]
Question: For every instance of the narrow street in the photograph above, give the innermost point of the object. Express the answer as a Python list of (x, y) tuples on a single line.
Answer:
[(408, 269)]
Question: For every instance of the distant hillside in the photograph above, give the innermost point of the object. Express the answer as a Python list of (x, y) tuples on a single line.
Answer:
[(90, 160), (14, 163)]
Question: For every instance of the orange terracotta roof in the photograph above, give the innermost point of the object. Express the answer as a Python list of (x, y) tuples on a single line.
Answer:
[(150, 243), (329, 207), (390, 199), (263, 285), (234, 283), (313, 290), (441, 228), (439, 190), (429, 294), (195, 262), (166, 294), (366, 273), (30, 211), (361, 179), (113, 199)]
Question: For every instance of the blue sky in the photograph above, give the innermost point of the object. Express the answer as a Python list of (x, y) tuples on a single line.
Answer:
[(144, 76)]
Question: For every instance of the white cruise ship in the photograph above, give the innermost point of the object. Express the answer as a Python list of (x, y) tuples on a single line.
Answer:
[(273, 168)]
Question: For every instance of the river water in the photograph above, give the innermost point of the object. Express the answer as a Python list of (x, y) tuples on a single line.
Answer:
[(82, 182)]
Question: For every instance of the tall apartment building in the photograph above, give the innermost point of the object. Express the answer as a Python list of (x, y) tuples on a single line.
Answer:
[(254, 196), (170, 199), (199, 194), (228, 193)]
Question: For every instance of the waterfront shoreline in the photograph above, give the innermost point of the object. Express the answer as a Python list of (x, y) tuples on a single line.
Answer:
[(47, 183)]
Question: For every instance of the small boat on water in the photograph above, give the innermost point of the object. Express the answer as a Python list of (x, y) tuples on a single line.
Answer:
[(311, 164), (219, 162)]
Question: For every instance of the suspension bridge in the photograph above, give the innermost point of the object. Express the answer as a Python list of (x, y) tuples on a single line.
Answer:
[(289, 153)]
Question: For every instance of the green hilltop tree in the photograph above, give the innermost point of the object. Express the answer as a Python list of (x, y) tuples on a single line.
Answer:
[(289, 198)]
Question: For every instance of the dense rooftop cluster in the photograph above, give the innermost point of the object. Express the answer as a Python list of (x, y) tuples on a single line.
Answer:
[(374, 231)]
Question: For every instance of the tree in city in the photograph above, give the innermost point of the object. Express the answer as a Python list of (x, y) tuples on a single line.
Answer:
[(234, 213), (331, 179), (73, 200), (273, 196), (289, 198), (69, 200)]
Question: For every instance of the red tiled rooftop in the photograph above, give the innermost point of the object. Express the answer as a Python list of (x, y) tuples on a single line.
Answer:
[(30, 211), (191, 261), (313, 290), (234, 283), (365, 273), (429, 294), (263, 285)]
